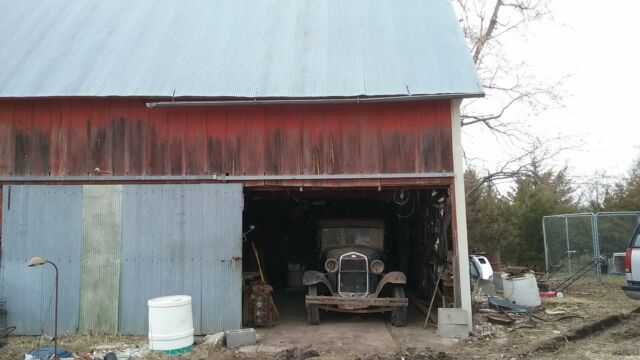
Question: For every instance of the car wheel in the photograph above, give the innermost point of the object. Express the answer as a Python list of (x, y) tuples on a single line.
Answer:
[(399, 313), (312, 310)]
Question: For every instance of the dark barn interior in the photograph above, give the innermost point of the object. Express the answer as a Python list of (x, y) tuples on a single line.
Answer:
[(283, 227)]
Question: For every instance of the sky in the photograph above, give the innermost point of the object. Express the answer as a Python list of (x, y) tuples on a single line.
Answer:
[(592, 45)]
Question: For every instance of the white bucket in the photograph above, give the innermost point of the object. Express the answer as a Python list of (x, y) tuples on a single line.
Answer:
[(521, 290), (170, 323)]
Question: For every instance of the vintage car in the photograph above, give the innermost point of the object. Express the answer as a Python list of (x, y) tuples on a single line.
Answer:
[(352, 251)]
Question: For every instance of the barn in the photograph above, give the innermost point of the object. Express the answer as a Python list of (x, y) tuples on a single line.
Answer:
[(144, 145)]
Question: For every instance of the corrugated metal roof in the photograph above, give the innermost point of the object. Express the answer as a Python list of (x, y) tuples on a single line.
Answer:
[(233, 48)]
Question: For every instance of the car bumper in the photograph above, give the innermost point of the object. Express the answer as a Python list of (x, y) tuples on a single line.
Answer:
[(343, 303), (632, 291)]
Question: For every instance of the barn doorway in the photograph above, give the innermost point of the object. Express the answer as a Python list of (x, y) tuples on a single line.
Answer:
[(283, 227)]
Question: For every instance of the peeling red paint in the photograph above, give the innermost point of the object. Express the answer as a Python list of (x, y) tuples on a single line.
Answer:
[(74, 137)]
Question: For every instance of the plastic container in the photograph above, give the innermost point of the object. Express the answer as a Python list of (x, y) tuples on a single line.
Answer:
[(521, 290), (483, 267), (171, 324)]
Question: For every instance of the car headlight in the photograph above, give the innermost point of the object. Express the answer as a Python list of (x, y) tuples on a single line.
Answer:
[(377, 267), (331, 265)]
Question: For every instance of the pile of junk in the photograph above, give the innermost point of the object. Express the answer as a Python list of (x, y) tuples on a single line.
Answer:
[(511, 296), (514, 289)]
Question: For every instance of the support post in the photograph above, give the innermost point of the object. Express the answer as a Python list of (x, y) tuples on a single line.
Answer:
[(566, 231), (546, 249), (462, 249), (596, 244)]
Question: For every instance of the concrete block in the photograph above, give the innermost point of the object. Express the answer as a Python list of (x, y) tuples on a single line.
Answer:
[(240, 337), (452, 322)]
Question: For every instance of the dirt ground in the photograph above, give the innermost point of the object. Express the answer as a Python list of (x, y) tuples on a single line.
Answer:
[(594, 320), (586, 302), (619, 342)]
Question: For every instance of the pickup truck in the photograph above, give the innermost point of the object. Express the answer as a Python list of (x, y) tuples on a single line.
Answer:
[(632, 267)]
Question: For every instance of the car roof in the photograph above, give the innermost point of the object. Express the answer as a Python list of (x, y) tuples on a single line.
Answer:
[(351, 222)]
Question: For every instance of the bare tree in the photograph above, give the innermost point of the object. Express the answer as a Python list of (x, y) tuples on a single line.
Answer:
[(593, 190), (510, 87), (524, 164)]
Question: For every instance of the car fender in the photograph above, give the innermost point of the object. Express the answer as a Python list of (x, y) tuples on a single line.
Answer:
[(312, 277), (394, 277)]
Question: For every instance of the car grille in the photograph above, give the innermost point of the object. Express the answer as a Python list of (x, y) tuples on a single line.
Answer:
[(357, 264), (354, 276)]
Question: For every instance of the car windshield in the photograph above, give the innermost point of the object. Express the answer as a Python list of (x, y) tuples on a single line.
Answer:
[(351, 236), (635, 242)]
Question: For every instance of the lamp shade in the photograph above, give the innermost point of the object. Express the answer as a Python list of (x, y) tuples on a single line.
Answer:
[(35, 261)]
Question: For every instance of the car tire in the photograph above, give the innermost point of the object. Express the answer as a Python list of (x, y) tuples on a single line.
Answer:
[(312, 310), (399, 313)]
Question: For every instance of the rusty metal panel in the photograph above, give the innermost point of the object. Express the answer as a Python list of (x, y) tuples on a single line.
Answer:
[(43, 221), (120, 137), (6, 138), (180, 239)]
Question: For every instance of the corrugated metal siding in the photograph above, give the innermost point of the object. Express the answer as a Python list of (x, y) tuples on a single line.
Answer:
[(179, 240), (233, 48), (123, 137), (221, 241), (100, 254), (41, 221)]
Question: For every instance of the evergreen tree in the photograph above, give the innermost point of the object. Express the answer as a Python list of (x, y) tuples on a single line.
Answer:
[(512, 223), (542, 193), (489, 223), (625, 195)]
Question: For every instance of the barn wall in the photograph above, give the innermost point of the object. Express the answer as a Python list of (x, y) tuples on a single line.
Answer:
[(75, 137), (41, 221), (116, 247)]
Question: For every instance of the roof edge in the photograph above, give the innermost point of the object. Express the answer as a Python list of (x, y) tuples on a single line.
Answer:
[(229, 100), (310, 100)]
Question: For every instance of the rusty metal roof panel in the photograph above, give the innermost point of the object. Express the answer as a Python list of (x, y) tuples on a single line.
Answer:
[(233, 48)]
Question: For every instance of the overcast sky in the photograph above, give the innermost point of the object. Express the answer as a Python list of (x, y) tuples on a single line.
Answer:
[(595, 44)]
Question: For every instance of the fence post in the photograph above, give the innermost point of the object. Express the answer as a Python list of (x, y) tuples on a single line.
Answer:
[(566, 230), (546, 250), (596, 243)]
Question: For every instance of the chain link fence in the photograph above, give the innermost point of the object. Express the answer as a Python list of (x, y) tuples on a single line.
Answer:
[(592, 243)]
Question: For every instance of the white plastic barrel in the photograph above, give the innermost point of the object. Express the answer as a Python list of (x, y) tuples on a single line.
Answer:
[(170, 323), (522, 290)]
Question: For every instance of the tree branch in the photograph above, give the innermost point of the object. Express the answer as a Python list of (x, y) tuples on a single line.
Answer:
[(489, 32)]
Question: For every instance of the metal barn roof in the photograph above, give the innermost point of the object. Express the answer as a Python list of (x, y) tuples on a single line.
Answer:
[(233, 48)]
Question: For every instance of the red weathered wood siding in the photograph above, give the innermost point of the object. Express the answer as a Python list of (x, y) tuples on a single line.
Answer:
[(72, 137)]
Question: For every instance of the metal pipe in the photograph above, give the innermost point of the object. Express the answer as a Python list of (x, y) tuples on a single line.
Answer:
[(566, 228), (301, 101), (546, 250), (569, 215), (55, 321), (337, 176), (595, 241), (617, 213), (107, 178), (214, 177)]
